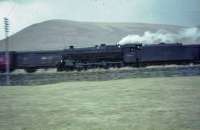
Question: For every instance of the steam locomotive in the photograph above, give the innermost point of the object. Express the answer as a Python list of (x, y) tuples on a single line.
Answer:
[(103, 56)]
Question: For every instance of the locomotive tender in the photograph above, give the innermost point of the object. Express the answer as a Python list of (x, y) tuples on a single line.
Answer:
[(104, 56)]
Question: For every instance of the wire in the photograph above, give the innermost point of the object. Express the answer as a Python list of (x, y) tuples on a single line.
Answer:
[(12, 9)]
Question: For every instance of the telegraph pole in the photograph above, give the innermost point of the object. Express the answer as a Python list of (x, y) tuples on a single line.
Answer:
[(7, 55)]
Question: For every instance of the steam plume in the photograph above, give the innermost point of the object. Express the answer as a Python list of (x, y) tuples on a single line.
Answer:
[(187, 35)]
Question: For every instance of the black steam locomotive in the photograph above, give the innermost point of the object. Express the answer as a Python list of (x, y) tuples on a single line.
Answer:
[(135, 55), (104, 56)]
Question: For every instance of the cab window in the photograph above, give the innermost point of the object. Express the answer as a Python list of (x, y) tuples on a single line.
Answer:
[(132, 49)]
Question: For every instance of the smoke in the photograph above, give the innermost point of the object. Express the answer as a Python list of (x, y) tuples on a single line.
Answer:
[(187, 35)]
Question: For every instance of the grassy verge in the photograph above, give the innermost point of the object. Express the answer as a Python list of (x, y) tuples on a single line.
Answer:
[(43, 78), (128, 104)]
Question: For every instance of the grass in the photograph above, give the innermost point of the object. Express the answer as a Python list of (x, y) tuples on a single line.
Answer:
[(128, 104)]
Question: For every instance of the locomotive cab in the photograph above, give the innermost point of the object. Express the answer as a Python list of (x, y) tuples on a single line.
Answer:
[(132, 54)]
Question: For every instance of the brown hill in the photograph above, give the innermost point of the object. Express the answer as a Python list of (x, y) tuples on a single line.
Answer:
[(59, 34)]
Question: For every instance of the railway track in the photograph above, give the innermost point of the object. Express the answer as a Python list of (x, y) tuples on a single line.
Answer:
[(49, 77)]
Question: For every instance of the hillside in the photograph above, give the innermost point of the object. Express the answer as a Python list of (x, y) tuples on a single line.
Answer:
[(59, 34)]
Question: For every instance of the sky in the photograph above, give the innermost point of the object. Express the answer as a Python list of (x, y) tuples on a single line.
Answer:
[(23, 13)]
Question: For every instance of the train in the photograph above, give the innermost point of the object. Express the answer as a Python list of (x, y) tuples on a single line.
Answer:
[(103, 56)]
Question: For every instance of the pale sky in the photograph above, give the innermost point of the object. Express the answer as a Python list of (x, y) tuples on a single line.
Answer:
[(23, 13)]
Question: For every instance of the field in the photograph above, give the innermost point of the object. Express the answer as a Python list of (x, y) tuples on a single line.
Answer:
[(170, 103)]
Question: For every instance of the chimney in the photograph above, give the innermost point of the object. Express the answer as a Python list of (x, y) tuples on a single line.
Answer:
[(71, 47)]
